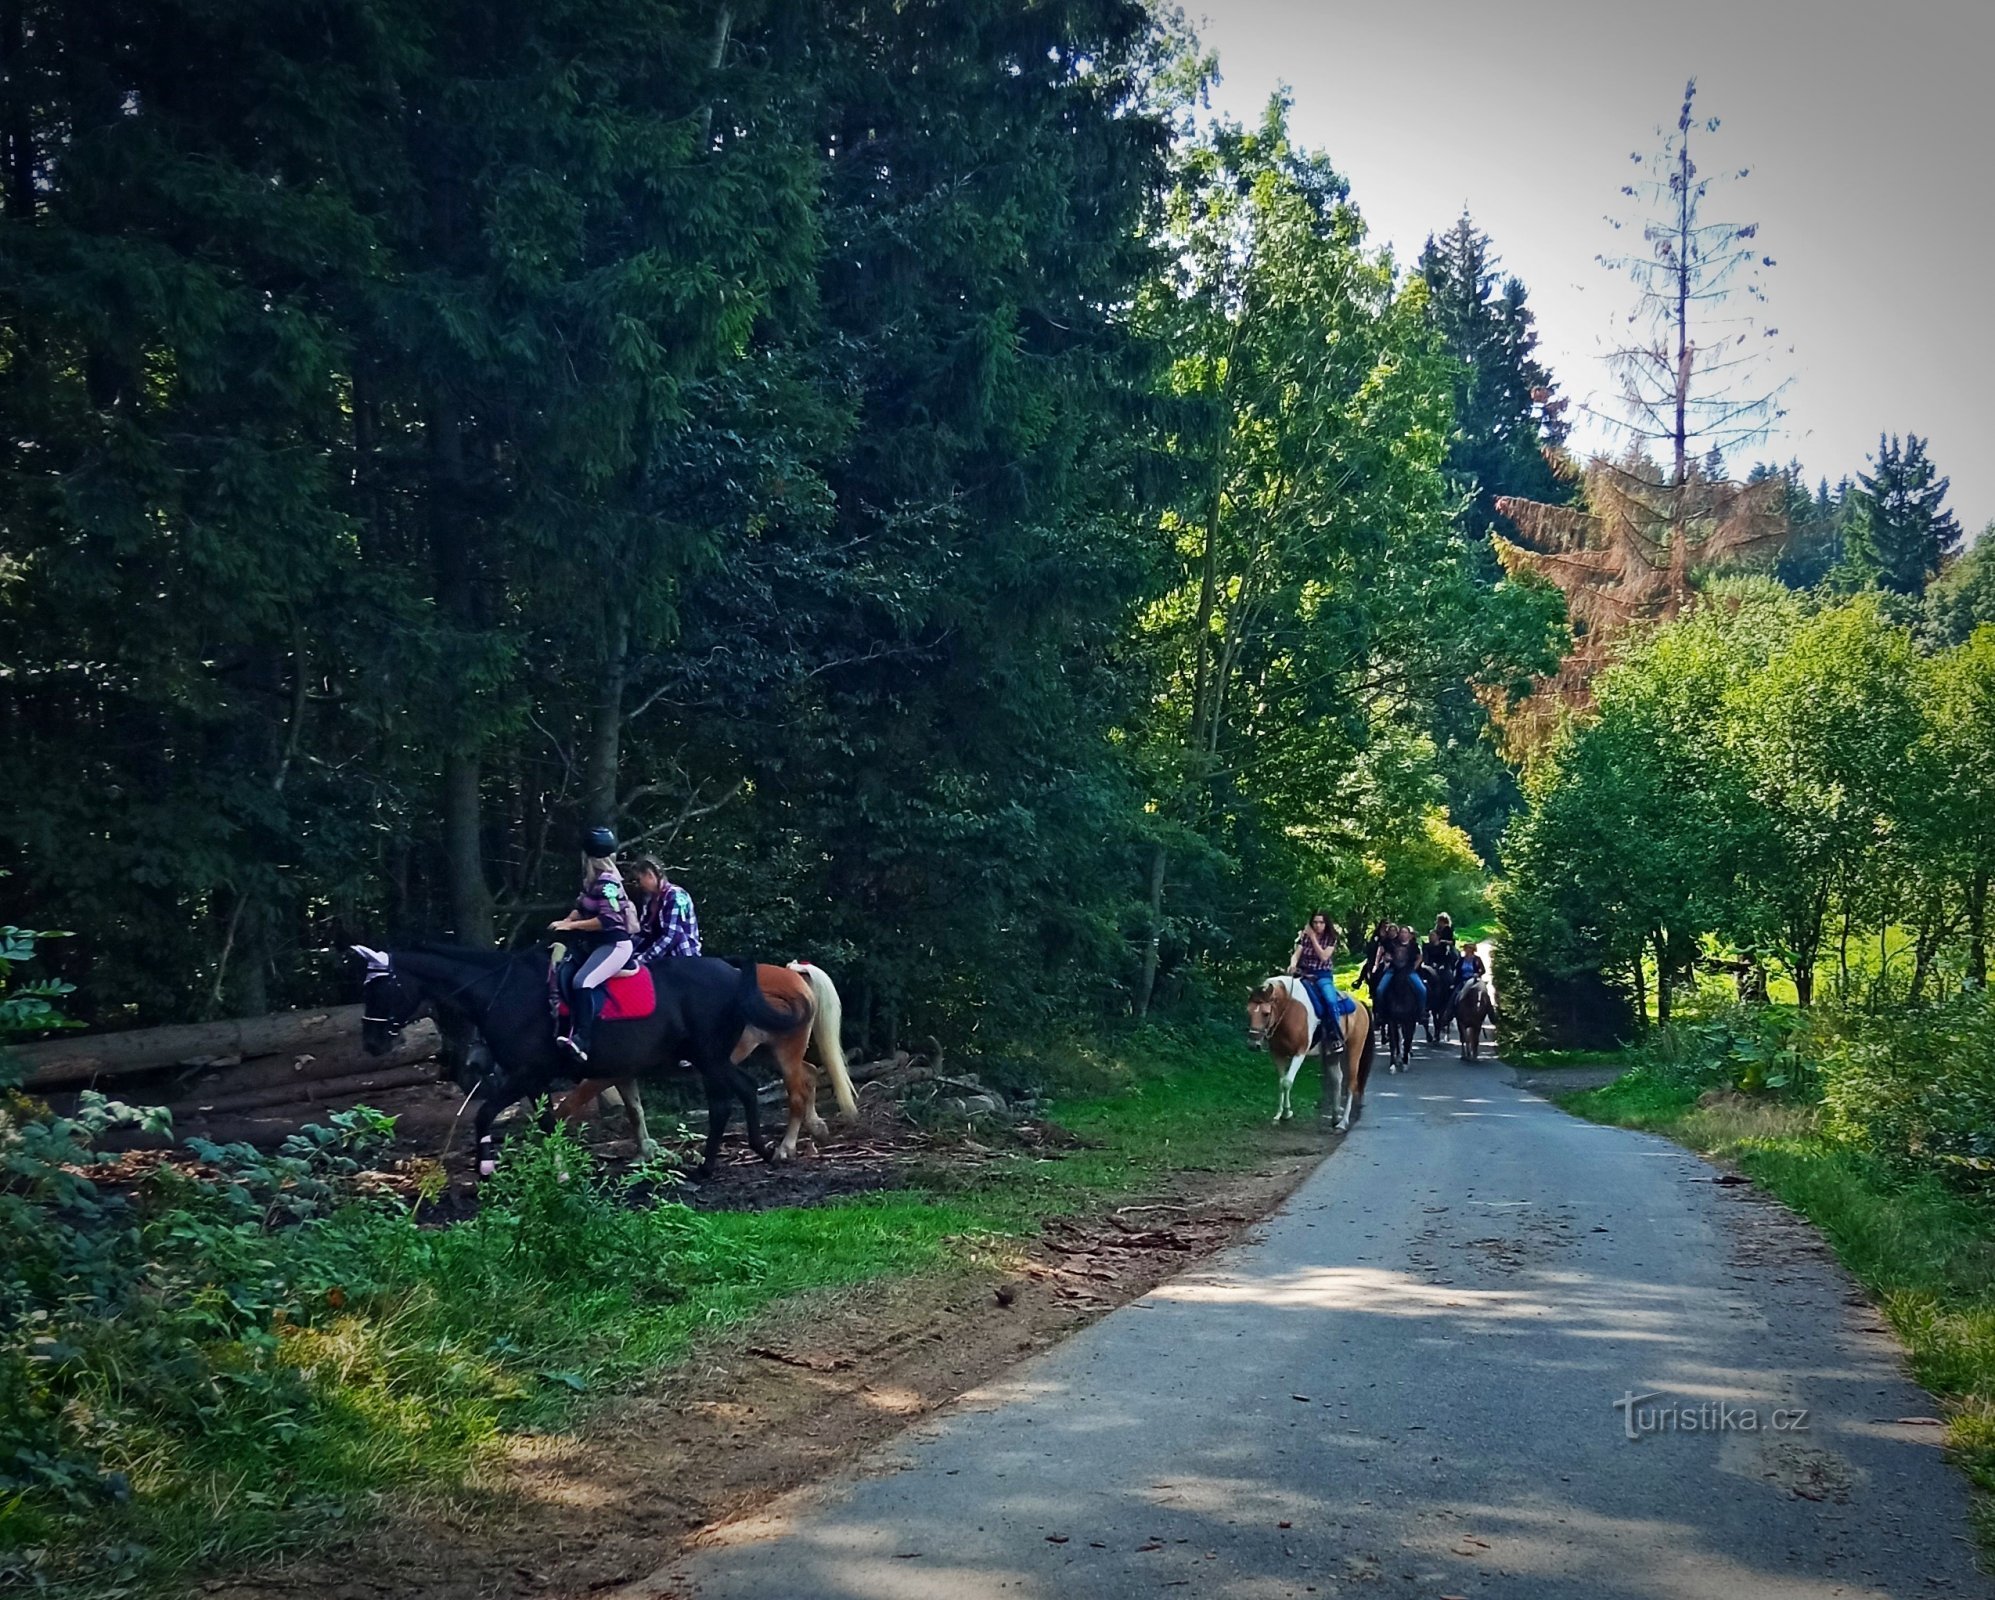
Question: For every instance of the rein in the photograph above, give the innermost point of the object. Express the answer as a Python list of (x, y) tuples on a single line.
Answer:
[(457, 992)]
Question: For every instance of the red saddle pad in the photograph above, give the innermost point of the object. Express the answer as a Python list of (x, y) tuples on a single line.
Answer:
[(626, 997)]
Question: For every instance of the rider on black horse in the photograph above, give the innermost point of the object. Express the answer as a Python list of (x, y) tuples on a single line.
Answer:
[(1398, 954), (608, 927), (1441, 956)]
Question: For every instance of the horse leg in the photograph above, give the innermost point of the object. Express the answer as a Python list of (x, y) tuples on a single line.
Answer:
[(751, 1113), (633, 1110), (1283, 1110), (720, 1106), (801, 1084), (498, 1096), (1336, 1105), (577, 1102)]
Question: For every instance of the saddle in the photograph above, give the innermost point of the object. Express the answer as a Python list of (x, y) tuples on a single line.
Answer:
[(1345, 1004), (627, 997)]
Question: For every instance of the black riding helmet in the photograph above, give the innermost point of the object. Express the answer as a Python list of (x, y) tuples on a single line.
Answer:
[(599, 842)]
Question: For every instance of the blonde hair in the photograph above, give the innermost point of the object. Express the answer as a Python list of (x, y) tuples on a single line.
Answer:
[(600, 866)]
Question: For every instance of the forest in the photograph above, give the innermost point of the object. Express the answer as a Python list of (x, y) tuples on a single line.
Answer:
[(985, 520)]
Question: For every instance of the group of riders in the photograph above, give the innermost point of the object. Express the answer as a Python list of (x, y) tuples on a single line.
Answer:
[(611, 929), (616, 924), (1439, 968)]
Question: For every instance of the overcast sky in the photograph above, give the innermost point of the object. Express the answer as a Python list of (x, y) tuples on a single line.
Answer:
[(1870, 130)]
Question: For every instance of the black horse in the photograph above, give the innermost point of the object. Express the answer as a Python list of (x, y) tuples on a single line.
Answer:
[(703, 1006), (1397, 1011), (1439, 976)]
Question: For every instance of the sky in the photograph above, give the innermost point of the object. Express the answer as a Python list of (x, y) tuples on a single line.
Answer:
[(1869, 130)]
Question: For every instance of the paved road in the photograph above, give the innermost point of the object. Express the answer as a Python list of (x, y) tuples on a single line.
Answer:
[(1404, 1384)]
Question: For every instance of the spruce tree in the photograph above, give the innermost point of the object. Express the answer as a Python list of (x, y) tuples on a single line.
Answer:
[(1900, 532), (1507, 410)]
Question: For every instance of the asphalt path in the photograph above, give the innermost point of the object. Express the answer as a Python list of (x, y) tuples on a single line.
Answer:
[(1405, 1382)]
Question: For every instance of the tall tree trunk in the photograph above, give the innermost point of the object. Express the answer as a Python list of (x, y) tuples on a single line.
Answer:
[(1977, 930), (723, 27), (1804, 982), (1684, 247), (1208, 582), (606, 737), (1641, 989), (1662, 980), (18, 130), (1153, 939), (468, 893)]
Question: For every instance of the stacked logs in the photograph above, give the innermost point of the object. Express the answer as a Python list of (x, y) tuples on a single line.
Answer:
[(287, 1068)]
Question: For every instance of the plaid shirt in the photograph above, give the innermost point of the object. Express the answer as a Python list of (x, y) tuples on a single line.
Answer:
[(668, 926)]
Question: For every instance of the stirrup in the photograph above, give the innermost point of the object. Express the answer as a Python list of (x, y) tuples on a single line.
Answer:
[(573, 1046)]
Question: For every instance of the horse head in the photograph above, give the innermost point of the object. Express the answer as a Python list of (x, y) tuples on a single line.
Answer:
[(388, 1002), (1263, 1010)]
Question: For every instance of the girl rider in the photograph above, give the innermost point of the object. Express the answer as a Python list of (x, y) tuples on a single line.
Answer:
[(1440, 955), (603, 916), (1315, 951), (1399, 957)]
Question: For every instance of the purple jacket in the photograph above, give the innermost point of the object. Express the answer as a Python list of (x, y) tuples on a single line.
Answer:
[(604, 897)]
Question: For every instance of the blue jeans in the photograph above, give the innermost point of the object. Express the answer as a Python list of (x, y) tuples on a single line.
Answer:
[(1385, 983)]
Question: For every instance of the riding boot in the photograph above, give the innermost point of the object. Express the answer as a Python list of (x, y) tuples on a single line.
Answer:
[(582, 1010)]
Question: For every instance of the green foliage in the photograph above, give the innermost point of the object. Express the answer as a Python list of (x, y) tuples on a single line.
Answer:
[(1921, 1094), (1324, 598), (1769, 778)]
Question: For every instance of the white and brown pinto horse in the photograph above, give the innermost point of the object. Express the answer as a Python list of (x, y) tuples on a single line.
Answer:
[(1281, 1021)]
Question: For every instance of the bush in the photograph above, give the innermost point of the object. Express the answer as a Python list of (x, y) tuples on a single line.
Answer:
[(1918, 1087)]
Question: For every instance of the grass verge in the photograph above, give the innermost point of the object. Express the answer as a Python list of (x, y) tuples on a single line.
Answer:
[(361, 1354), (1925, 1252)]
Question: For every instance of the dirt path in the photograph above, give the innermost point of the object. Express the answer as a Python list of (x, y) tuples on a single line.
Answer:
[(776, 1404)]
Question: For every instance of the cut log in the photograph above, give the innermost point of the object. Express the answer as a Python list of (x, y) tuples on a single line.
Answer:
[(340, 1059), (307, 1097), (85, 1059)]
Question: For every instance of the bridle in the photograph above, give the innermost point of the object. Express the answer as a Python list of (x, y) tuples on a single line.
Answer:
[(1259, 1037), (394, 1028)]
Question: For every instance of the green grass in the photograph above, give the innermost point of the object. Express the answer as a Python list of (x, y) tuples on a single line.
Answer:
[(413, 1353), (1923, 1250)]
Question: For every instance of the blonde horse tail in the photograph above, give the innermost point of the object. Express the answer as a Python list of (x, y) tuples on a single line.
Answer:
[(830, 1051)]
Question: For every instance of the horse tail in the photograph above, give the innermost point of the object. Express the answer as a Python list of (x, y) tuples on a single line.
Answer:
[(754, 1009), (1368, 1051), (830, 1048)]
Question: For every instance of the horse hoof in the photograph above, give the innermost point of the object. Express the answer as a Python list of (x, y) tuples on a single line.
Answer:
[(648, 1149), (487, 1167)]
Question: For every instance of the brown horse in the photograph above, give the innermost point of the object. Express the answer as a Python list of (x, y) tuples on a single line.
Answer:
[(1281, 1021), (800, 990), (1474, 1007)]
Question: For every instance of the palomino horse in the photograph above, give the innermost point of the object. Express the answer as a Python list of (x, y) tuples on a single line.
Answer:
[(1281, 1021), (1474, 1007), (799, 989)]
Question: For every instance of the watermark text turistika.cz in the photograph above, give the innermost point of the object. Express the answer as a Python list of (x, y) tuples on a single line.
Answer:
[(1646, 1414)]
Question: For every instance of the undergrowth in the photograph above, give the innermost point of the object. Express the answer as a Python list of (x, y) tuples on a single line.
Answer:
[(210, 1368)]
